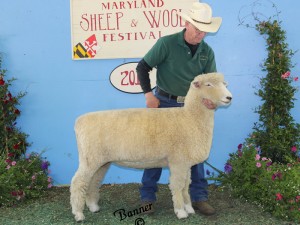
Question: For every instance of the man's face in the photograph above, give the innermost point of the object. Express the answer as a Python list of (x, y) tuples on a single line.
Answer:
[(193, 35)]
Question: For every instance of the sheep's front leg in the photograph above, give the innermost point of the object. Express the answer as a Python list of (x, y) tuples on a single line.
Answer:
[(186, 196), (177, 184)]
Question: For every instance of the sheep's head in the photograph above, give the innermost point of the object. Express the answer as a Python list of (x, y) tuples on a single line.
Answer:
[(211, 89)]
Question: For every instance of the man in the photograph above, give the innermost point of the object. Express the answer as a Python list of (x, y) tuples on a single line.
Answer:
[(179, 58)]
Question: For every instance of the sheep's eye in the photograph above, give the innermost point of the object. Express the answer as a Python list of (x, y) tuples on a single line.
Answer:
[(208, 85), (225, 83)]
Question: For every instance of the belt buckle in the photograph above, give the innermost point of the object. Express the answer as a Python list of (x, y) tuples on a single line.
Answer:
[(180, 99)]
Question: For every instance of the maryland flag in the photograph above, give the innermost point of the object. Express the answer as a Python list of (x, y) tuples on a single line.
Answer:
[(86, 51)]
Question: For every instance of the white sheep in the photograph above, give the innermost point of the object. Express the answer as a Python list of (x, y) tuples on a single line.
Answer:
[(147, 138)]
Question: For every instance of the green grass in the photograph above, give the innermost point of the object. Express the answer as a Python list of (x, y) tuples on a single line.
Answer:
[(55, 209)]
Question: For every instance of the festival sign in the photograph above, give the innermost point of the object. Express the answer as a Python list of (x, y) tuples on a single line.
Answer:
[(103, 29)]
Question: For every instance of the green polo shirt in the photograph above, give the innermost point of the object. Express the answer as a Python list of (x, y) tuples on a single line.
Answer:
[(176, 67)]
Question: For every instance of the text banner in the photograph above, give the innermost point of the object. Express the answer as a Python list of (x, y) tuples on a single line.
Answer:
[(122, 29)]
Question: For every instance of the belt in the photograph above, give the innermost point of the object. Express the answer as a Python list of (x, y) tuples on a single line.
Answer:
[(180, 99)]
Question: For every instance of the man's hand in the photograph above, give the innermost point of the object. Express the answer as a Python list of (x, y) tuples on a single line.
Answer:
[(208, 103), (151, 100)]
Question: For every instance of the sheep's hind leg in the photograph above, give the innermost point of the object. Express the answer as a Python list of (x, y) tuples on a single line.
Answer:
[(78, 188), (186, 196), (93, 195), (177, 184)]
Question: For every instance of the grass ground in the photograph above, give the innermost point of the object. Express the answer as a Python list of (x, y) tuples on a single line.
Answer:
[(55, 209)]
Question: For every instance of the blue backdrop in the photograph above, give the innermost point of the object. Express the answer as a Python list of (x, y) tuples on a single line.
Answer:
[(35, 44)]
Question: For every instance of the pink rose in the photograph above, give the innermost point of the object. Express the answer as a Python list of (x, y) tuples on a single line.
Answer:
[(257, 157)]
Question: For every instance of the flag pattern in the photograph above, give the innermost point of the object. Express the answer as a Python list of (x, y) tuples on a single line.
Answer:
[(86, 51)]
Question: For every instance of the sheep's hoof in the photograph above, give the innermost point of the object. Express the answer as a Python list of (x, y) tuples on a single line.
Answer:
[(94, 208), (79, 217), (189, 209), (181, 213)]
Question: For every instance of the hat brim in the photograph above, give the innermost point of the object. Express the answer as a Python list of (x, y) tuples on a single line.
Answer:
[(209, 28)]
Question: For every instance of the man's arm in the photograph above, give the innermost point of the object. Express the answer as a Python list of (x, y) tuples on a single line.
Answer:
[(143, 70), (211, 63)]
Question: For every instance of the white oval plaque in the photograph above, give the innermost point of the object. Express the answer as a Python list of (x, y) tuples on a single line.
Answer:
[(124, 78)]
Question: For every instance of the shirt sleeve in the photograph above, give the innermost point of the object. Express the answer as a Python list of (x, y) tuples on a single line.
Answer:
[(154, 57), (157, 54), (211, 62), (143, 70)]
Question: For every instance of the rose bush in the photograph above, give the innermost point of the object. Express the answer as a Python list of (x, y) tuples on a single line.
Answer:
[(25, 178), (21, 177), (274, 187)]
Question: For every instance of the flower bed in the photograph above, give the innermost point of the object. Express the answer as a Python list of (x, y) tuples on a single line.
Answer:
[(272, 186)]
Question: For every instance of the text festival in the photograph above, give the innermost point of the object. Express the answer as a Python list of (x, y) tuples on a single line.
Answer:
[(109, 22)]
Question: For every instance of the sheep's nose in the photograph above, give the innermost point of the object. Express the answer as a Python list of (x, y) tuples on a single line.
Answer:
[(229, 98)]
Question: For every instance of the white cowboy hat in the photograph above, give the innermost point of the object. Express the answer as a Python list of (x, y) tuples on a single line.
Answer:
[(200, 15)]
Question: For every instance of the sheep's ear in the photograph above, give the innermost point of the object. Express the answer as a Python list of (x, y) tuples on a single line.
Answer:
[(196, 84)]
